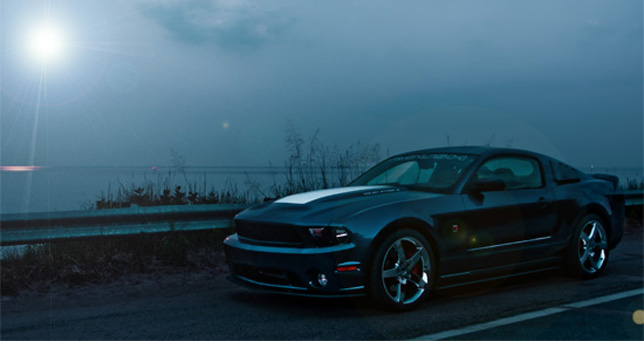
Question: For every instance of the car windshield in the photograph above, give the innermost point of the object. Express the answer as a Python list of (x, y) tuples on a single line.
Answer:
[(431, 172)]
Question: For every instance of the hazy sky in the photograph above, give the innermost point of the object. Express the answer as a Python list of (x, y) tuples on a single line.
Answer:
[(217, 81)]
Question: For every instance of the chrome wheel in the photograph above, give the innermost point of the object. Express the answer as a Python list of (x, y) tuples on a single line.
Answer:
[(592, 246), (406, 270)]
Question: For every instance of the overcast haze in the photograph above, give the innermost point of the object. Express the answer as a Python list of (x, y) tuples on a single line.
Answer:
[(217, 81)]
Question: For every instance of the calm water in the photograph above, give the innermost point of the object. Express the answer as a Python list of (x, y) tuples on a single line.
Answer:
[(75, 188)]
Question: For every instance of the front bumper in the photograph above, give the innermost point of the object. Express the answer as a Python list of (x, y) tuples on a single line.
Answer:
[(295, 270)]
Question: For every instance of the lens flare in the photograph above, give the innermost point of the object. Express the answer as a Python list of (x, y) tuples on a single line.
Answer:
[(638, 316), (46, 43), (19, 168)]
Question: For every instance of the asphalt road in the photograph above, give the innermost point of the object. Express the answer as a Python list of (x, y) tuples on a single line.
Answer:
[(208, 307), (611, 320)]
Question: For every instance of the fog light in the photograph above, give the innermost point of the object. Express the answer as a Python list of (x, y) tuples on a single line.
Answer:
[(323, 280)]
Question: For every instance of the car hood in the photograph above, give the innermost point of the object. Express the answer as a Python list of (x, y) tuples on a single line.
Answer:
[(327, 206)]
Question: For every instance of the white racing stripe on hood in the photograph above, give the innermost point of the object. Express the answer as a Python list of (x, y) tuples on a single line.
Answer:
[(307, 197)]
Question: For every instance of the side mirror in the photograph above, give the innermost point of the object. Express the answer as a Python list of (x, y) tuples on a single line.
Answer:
[(488, 185)]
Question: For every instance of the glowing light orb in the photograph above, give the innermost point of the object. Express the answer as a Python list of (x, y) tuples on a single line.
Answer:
[(46, 43), (638, 316)]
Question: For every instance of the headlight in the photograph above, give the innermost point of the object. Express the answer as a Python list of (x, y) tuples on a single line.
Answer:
[(342, 235), (330, 235)]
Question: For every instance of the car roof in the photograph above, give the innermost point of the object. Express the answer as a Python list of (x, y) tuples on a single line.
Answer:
[(472, 150)]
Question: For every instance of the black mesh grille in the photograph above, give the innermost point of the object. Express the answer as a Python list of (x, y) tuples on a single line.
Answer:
[(269, 233), (267, 276)]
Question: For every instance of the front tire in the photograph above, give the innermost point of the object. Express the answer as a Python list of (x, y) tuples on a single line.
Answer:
[(588, 251), (402, 271)]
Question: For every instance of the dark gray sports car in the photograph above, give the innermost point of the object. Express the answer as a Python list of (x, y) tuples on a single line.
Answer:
[(427, 219)]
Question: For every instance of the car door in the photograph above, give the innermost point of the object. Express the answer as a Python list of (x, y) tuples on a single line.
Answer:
[(502, 222)]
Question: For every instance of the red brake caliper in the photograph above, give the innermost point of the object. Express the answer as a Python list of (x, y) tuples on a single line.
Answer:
[(416, 268)]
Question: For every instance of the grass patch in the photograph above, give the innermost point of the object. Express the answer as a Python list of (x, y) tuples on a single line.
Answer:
[(104, 259), (311, 165)]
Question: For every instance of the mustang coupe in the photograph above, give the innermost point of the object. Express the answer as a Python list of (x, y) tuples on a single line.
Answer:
[(430, 219)]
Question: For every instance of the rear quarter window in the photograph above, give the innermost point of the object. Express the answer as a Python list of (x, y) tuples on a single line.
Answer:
[(565, 174)]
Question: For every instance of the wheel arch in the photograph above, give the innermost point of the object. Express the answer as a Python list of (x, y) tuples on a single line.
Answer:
[(597, 210), (415, 224)]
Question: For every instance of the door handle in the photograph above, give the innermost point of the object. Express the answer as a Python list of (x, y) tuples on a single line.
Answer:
[(543, 202)]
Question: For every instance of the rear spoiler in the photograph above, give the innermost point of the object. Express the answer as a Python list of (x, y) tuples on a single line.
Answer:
[(607, 177)]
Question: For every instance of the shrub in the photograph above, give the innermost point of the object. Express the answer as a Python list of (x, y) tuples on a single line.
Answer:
[(103, 259)]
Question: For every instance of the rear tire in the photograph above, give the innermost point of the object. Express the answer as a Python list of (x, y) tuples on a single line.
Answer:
[(588, 250), (402, 271)]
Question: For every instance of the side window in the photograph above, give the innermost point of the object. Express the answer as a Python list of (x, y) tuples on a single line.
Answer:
[(515, 172)]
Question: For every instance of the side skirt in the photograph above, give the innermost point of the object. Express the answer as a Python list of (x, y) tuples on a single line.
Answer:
[(500, 272)]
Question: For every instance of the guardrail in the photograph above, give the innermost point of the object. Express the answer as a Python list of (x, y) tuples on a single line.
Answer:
[(634, 197), (31, 228), (16, 229)]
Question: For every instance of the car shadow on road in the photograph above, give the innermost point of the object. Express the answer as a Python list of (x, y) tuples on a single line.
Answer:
[(354, 306), (305, 305)]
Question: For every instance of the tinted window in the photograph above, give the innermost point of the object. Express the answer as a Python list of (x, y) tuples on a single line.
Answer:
[(565, 174), (429, 172), (405, 173), (515, 172)]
